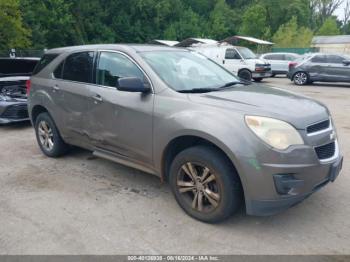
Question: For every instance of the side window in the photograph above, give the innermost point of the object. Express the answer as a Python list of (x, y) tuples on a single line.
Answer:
[(44, 61), (78, 67), (232, 54), (335, 59), (58, 71), (112, 66), (319, 59), (290, 57)]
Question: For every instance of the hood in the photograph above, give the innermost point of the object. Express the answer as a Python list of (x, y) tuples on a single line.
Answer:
[(298, 110), (261, 61)]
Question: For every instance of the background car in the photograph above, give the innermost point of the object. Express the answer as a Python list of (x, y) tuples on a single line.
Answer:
[(237, 59), (320, 67), (279, 62), (14, 72)]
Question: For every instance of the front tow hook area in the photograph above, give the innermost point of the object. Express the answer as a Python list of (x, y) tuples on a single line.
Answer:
[(284, 183)]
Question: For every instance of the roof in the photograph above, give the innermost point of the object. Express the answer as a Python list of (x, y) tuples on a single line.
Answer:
[(337, 39), (136, 47), (191, 41), (235, 38), (164, 42)]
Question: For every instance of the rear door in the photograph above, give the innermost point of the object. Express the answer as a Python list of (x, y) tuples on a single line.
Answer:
[(120, 122), (317, 68), (72, 94), (278, 63)]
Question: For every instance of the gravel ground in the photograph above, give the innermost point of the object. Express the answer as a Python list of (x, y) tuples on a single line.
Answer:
[(80, 204)]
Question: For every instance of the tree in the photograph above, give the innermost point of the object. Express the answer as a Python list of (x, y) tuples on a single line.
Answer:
[(329, 27), (13, 34), (189, 25), (51, 22), (289, 35), (223, 21), (254, 22), (323, 9)]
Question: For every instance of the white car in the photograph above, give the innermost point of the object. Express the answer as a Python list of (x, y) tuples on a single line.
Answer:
[(239, 60), (280, 62)]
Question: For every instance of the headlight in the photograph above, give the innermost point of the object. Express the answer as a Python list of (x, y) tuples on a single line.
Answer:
[(276, 133)]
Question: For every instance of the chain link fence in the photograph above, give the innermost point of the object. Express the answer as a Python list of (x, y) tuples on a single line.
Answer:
[(22, 53)]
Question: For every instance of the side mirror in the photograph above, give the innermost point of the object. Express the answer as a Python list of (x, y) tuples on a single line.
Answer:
[(132, 84), (346, 62)]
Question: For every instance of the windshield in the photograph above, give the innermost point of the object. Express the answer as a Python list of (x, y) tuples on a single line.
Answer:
[(246, 53), (186, 70)]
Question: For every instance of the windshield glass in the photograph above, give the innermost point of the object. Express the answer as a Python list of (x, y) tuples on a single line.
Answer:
[(246, 53), (186, 70)]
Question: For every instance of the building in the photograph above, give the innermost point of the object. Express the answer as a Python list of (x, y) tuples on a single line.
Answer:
[(332, 44)]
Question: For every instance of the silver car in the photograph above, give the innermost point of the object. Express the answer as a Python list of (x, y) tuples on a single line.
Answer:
[(180, 116), (280, 62)]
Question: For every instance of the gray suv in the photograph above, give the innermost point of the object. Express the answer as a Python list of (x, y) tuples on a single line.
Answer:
[(320, 68), (180, 116)]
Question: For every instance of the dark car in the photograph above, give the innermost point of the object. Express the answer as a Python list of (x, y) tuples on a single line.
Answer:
[(320, 68), (14, 72)]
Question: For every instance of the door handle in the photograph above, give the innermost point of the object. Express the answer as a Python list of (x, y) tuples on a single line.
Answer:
[(97, 98), (55, 88)]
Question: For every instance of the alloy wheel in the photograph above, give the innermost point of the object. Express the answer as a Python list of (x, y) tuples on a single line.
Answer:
[(198, 186), (300, 78), (45, 135)]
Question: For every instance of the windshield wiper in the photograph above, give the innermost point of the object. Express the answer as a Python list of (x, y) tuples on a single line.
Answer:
[(229, 84), (198, 90)]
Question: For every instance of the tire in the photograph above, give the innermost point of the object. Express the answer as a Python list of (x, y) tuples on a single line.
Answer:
[(48, 136), (300, 78), (218, 186), (245, 74), (273, 75), (258, 79)]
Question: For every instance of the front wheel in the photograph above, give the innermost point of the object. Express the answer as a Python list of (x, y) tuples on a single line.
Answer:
[(245, 74), (301, 78), (205, 184), (259, 79)]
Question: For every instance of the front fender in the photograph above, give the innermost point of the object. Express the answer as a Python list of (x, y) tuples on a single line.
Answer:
[(226, 131)]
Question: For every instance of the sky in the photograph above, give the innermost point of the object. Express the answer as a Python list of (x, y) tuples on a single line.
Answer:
[(340, 11)]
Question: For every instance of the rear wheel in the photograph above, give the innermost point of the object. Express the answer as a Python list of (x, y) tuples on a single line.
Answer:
[(245, 74), (301, 78), (204, 184), (48, 137)]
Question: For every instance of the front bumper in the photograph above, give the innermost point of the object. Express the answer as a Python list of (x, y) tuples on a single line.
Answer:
[(13, 112), (261, 74), (329, 173)]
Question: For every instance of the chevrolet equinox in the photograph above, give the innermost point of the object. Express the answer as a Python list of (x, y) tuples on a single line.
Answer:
[(174, 113)]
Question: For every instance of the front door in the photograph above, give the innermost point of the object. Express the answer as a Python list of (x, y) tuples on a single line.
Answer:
[(337, 70), (233, 60), (120, 122)]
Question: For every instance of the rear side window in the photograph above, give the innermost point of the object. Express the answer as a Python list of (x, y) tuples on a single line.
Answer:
[(319, 59), (112, 66), (275, 57), (44, 61), (232, 54), (78, 67), (58, 71)]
